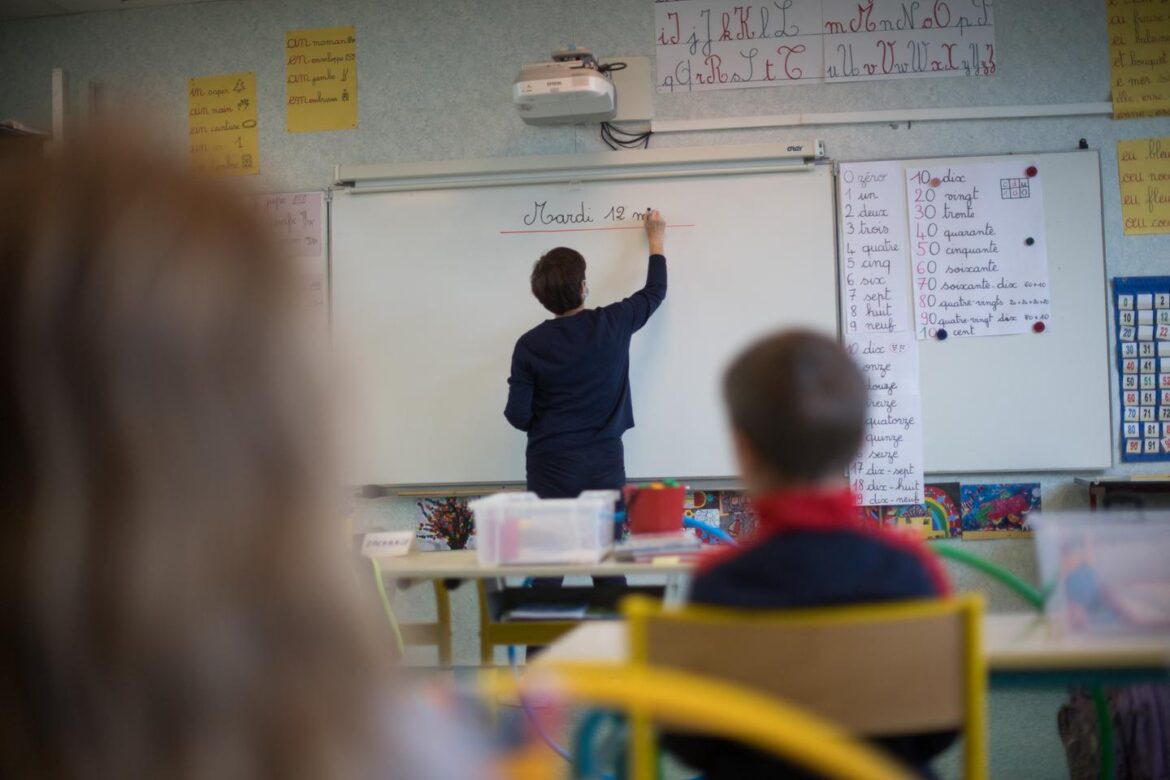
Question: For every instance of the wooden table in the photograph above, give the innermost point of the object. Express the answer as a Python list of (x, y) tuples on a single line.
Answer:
[(463, 565), (1021, 649)]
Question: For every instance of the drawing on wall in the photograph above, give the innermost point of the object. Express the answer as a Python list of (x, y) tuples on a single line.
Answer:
[(999, 510), (939, 516), (447, 523)]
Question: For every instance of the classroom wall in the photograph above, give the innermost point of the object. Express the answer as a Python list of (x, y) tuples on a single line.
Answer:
[(434, 79)]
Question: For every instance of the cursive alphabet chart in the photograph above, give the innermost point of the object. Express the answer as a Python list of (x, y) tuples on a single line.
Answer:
[(724, 44)]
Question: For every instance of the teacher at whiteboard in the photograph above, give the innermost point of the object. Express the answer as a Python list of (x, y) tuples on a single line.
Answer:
[(569, 389)]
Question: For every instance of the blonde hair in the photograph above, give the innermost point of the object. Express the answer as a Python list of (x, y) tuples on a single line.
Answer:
[(170, 599)]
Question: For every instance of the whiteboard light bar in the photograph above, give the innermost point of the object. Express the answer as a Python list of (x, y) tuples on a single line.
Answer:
[(553, 169)]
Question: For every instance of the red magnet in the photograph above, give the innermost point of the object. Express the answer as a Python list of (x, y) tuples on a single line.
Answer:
[(1038, 327), (935, 181), (1032, 171)]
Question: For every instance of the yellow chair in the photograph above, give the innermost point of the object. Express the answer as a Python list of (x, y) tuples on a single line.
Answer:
[(875, 670), (686, 701)]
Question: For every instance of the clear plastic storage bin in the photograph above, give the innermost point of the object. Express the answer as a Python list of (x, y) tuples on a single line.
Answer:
[(521, 528), (1105, 572)]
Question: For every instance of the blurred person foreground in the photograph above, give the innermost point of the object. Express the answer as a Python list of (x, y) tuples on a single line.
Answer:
[(175, 598)]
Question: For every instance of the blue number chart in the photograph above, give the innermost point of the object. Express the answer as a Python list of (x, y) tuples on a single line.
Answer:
[(1142, 310)]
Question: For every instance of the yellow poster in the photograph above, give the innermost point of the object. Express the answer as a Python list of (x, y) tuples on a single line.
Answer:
[(1139, 45), (221, 123), (321, 79), (1144, 168)]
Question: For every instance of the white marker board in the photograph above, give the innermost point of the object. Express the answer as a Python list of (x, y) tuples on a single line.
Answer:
[(430, 292), (1034, 401)]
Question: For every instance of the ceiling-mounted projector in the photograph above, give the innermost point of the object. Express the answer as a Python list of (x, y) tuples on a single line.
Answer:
[(571, 89)]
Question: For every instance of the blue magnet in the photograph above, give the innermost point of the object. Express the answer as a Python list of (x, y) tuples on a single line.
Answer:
[(941, 334)]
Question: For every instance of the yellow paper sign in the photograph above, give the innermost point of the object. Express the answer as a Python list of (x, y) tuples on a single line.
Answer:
[(321, 79), (1139, 54), (221, 123), (1144, 168)]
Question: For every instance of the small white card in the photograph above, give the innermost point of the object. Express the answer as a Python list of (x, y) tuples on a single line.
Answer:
[(388, 544)]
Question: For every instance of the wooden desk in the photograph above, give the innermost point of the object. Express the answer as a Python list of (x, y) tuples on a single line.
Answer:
[(463, 565), (1021, 649), (1105, 493)]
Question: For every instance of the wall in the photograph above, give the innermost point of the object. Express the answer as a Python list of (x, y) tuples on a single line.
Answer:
[(434, 78)]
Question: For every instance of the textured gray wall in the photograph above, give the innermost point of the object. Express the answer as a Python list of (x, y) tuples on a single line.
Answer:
[(434, 79)]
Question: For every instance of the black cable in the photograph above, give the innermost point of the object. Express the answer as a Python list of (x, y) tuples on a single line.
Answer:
[(617, 138)]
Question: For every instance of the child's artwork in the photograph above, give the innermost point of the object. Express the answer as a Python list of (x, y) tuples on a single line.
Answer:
[(999, 510), (738, 518), (938, 517), (446, 523)]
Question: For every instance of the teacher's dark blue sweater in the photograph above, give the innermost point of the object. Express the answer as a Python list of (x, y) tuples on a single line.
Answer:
[(570, 381)]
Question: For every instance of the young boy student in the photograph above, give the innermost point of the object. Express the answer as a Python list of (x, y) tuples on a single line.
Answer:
[(797, 406)]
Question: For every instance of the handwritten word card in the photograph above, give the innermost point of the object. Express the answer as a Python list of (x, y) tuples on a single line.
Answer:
[(1144, 168), (221, 123), (725, 44), (1139, 43), (978, 252), (297, 222), (875, 267), (321, 79), (297, 219), (889, 468)]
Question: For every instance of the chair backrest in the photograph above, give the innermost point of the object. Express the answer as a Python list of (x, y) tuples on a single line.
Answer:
[(876, 670)]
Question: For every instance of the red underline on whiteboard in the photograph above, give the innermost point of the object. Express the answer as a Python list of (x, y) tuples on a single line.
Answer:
[(582, 230)]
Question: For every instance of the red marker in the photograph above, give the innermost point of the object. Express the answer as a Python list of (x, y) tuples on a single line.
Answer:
[(1038, 327), (1031, 171)]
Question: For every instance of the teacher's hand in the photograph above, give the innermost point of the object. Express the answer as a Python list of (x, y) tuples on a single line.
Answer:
[(655, 231)]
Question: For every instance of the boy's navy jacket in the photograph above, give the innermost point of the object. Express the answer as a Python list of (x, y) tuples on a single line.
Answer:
[(812, 551), (570, 381)]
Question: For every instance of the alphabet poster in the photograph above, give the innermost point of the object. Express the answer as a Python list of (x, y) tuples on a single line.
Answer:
[(1143, 165), (725, 44), (321, 79), (1139, 39), (221, 123)]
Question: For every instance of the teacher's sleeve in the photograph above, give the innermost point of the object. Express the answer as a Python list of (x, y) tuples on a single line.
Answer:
[(520, 386), (635, 311)]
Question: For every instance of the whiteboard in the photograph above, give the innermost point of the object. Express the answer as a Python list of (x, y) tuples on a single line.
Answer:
[(1031, 401), (430, 292)]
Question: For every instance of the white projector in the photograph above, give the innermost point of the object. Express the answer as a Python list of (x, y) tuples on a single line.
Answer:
[(572, 89)]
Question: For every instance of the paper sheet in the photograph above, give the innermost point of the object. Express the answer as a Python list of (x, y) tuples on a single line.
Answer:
[(889, 467), (221, 123), (875, 264), (1143, 165), (1139, 39), (725, 44), (321, 79), (978, 249)]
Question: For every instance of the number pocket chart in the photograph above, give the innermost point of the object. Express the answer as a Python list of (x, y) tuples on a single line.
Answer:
[(1141, 306), (978, 249)]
